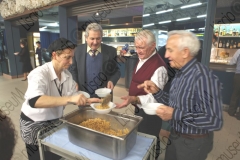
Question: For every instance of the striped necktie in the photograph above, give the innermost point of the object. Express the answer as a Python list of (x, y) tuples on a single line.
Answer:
[(93, 53)]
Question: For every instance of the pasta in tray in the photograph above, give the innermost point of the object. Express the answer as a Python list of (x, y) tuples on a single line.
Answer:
[(103, 126)]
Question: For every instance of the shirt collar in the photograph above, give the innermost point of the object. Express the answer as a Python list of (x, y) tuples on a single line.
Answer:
[(188, 66), (144, 60), (99, 49), (53, 74)]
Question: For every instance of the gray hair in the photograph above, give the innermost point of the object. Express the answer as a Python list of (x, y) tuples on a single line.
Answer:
[(146, 34), (93, 27), (187, 39)]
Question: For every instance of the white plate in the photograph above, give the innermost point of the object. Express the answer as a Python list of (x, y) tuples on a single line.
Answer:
[(103, 111), (102, 92), (84, 93), (150, 108)]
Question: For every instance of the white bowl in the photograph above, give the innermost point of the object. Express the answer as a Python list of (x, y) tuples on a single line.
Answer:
[(150, 108), (102, 92), (84, 93), (103, 111)]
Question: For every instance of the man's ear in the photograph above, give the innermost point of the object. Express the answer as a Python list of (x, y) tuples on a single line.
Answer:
[(186, 53), (54, 55)]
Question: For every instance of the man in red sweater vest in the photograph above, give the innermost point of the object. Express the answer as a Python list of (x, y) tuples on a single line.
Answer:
[(149, 67)]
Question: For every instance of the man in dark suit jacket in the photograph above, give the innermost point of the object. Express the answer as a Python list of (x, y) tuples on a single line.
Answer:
[(95, 64)]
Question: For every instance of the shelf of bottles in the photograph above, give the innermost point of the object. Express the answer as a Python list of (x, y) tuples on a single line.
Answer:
[(228, 35), (127, 32)]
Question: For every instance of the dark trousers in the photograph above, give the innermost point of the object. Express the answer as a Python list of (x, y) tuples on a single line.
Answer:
[(33, 153), (235, 96), (182, 148), (40, 59)]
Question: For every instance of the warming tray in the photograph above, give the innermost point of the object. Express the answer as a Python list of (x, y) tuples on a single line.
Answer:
[(107, 145)]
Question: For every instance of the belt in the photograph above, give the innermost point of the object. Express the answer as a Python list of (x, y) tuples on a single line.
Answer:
[(193, 136)]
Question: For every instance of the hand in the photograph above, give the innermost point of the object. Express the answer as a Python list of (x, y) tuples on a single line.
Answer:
[(165, 112), (16, 53), (149, 87), (126, 102), (110, 85), (79, 100), (94, 100)]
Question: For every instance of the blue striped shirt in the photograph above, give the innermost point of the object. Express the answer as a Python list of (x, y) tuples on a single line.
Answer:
[(195, 95)]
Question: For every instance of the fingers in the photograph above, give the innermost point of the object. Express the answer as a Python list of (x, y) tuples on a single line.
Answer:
[(110, 85), (141, 86), (94, 100), (120, 105)]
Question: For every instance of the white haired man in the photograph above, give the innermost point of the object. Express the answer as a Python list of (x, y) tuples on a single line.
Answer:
[(194, 104), (150, 67)]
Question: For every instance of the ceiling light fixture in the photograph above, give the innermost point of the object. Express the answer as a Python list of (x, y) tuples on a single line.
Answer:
[(191, 5), (202, 28), (190, 29), (169, 10), (183, 19), (147, 25), (146, 15), (200, 16), (164, 22), (97, 14), (43, 27)]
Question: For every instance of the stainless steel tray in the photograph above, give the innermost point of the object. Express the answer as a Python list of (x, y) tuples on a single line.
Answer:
[(107, 145)]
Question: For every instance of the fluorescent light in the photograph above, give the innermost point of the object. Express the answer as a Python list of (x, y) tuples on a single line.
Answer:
[(54, 24), (202, 16), (201, 28), (183, 19), (145, 15), (162, 31), (43, 27), (146, 25), (169, 10), (164, 22), (36, 34), (190, 29), (191, 5)]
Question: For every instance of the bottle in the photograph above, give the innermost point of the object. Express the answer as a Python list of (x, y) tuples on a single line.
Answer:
[(216, 32), (238, 44), (231, 44), (224, 44), (237, 33), (220, 44), (234, 32), (227, 45), (235, 45), (231, 32), (224, 32)]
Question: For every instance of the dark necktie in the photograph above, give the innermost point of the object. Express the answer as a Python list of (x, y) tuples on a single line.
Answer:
[(93, 53)]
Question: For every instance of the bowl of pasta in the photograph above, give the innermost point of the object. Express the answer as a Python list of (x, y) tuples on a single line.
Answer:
[(99, 108)]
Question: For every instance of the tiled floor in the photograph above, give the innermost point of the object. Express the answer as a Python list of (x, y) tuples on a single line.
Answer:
[(228, 136)]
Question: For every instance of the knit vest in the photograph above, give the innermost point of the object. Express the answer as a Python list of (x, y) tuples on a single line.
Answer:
[(93, 67), (145, 73)]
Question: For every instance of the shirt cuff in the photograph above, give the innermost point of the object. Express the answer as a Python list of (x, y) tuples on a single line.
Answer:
[(159, 94)]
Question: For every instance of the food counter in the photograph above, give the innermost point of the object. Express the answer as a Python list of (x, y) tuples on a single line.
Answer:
[(59, 139), (222, 67)]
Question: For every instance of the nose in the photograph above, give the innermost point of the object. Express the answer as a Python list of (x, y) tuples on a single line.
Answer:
[(166, 54), (95, 41), (138, 50)]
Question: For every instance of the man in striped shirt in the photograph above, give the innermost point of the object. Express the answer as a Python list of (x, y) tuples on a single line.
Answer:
[(194, 104)]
